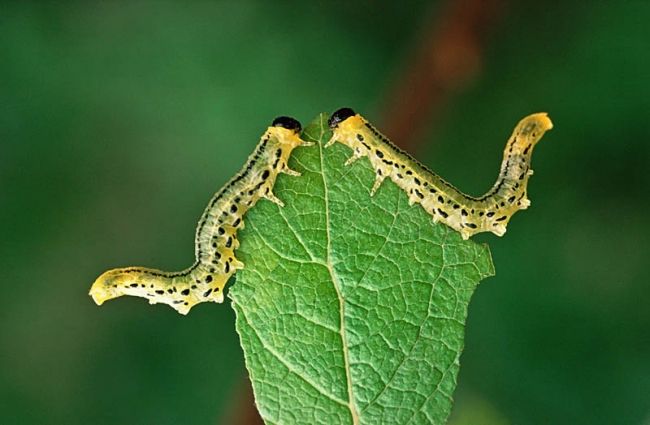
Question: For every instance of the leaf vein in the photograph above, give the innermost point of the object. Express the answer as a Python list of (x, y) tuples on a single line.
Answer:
[(289, 366)]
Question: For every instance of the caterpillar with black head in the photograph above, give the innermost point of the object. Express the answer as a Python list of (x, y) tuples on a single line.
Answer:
[(216, 233), (446, 204)]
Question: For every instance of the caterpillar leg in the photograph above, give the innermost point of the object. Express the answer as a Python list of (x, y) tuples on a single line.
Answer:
[(290, 172), (271, 197), (435, 217), (330, 142), (499, 230), (355, 156), (413, 198), (378, 181)]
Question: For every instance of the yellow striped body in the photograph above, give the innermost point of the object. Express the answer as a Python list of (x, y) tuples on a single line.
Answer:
[(446, 204), (216, 234)]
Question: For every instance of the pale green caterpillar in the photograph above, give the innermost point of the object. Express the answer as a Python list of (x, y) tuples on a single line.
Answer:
[(466, 214), (216, 234)]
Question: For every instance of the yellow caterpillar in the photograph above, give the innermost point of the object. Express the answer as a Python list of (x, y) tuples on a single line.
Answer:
[(216, 234), (466, 214)]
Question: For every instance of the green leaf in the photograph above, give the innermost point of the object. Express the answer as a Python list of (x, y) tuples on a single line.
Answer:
[(351, 308)]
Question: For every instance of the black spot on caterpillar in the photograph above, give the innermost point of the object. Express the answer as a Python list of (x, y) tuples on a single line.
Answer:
[(468, 215), (216, 233)]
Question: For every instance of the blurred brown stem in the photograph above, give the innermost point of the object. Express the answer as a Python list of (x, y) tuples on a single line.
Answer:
[(448, 57), (243, 410)]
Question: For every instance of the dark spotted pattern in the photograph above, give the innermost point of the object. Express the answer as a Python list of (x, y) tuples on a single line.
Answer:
[(216, 234), (467, 214)]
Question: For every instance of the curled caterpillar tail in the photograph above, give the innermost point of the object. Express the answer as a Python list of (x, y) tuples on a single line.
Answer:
[(216, 233), (446, 204), (181, 290)]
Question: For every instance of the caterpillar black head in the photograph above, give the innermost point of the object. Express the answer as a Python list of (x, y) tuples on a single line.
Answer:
[(340, 116), (288, 123)]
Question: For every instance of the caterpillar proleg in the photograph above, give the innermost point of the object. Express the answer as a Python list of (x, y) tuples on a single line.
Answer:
[(446, 204), (216, 234)]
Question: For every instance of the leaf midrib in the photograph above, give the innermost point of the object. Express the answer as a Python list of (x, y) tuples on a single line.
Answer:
[(336, 283)]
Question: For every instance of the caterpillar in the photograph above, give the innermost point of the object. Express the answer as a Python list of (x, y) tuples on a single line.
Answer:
[(216, 233), (446, 204)]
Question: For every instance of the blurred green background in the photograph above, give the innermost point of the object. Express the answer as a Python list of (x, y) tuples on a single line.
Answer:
[(119, 120)]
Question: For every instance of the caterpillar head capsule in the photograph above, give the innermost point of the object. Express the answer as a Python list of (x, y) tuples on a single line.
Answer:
[(340, 116), (288, 123)]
